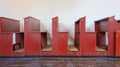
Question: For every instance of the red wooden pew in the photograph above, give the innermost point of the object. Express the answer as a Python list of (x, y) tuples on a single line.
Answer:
[(11, 39), (32, 36), (83, 39), (58, 39), (116, 25), (103, 42), (105, 36)]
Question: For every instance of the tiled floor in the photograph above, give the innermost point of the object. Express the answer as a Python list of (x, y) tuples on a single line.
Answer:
[(59, 62)]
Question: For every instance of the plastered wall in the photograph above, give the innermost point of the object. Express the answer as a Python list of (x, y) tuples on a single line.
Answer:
[(67, 10)]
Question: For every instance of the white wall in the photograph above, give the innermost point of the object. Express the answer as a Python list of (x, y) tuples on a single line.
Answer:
[(67, 10)]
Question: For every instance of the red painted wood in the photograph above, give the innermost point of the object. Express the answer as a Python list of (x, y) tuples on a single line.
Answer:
[(109, 25), (113, 27), (5, 44), (9, 25), (83, 46), (62, 43), (77, 34), (54, 44), (59, 41), (55, 37), (43, 39), (33, 41), (7, 28), (117, 53), (32, 36), (90, 41), (79, 38), (117, 34)]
